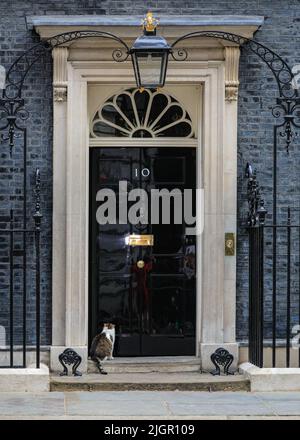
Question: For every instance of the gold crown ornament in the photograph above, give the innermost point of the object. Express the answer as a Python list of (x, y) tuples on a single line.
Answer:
[(149, 23)]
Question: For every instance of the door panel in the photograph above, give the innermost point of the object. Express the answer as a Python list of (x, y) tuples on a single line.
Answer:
[(153, 307)]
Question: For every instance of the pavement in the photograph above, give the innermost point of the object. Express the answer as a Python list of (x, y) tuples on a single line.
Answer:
[(164, 405)]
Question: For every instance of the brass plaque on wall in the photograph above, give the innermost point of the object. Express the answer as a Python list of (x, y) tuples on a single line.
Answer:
[(141, 240), (229, 244)]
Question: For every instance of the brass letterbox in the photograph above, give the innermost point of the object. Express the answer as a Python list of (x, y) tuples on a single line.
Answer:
[(141, 240)]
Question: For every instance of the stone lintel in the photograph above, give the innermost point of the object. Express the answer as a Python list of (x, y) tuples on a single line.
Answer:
[(50, 25)]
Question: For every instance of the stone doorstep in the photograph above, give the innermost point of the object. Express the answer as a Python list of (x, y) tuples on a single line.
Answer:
[(30, 379), (251, 378), (150, 382), (160, 364), (271, 379)]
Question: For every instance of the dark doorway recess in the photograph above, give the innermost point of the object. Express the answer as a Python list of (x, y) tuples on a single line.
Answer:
[(154, 306)]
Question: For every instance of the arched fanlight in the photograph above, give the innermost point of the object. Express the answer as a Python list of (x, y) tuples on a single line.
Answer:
[(149, 54)]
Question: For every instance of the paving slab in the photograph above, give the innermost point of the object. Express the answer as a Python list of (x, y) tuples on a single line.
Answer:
[(279, 396), (283, 403), (148, 405), (28, 404), (180, 409), (89, 404)]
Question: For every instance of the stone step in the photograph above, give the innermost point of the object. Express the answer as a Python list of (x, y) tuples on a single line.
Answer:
[(162, 364), (149, 381)]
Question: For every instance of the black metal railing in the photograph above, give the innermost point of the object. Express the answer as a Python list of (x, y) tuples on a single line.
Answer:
[(20, 269), (274, 281), (256, 297)]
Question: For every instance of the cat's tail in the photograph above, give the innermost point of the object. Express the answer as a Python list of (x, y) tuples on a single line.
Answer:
[(99, 365)]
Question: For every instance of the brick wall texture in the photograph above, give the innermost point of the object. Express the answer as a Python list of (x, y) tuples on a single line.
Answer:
[(281, 32)]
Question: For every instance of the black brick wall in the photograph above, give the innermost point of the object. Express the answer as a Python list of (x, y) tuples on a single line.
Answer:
[(257, 92)]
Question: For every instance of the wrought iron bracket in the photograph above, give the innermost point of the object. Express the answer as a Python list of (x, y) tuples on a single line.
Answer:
[(280, 69), (287, 111), (221, 358), (70, 357), (18, 71), (12, 112), (12, 103)]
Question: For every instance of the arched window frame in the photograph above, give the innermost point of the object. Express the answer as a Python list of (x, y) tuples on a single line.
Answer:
[(131, 126)]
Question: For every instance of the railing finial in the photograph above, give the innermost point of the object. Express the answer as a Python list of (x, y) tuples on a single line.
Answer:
[(256, 204)]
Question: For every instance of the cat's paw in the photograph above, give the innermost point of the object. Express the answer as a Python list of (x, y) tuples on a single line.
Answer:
[(110, 358)]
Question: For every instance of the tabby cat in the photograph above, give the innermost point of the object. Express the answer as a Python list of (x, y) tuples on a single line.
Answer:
[(103, 346)]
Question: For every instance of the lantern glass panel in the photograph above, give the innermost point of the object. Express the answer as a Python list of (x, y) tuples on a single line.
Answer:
[(150, 68)]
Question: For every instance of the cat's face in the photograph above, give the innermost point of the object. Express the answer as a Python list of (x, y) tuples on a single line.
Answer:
[(108, 326)]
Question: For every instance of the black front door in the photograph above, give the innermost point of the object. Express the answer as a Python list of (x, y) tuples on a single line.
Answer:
[(149, 292)]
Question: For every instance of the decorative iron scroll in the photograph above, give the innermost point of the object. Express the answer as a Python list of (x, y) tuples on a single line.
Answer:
[(280, 69), (70, 357), (17, 73), (287, 111), (19, 69), (12, 113), (221, 358), (288, 105), (12, 104), (256, 205)]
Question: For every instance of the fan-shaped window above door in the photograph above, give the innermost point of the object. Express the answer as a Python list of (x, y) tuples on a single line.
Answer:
[(146, 114)]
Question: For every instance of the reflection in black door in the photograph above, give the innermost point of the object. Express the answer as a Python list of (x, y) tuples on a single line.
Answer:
[(153, 303)]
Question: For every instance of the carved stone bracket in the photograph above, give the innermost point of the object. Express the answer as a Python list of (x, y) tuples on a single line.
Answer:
[(60, 73), (232, 57)]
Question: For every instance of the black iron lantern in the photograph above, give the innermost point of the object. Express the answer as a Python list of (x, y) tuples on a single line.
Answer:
[(149, 54)]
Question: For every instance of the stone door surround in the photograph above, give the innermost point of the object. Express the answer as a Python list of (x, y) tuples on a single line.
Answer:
[(211, 64)]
